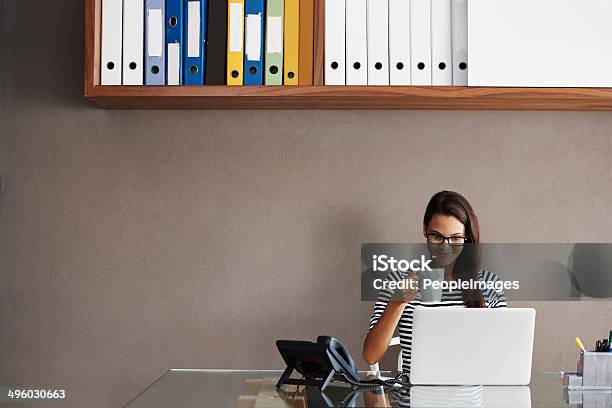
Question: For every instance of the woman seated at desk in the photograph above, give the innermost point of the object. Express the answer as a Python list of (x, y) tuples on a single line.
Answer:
[(448, 225)]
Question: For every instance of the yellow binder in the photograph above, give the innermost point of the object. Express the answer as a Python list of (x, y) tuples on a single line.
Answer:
[(235, 41), (292, 41)]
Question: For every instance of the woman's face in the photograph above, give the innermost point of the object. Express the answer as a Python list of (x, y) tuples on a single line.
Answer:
[(444, 226)]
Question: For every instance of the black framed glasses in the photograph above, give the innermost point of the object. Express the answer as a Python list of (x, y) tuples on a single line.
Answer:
[(438, 239)]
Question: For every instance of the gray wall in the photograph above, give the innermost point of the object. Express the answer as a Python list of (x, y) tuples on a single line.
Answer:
[(133, 241)]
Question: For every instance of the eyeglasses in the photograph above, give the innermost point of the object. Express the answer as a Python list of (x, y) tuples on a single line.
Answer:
[(438, 239)]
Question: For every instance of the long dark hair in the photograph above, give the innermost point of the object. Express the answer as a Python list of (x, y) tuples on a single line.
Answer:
[(467, 265)]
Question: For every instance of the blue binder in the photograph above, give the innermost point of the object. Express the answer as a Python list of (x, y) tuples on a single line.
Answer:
[(195, 42), (174, 42), (254, 11), (155, 44)]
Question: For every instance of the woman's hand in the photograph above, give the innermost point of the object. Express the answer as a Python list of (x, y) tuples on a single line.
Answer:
[(409, 294)]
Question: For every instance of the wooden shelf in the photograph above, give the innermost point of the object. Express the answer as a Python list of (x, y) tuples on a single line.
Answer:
[(319, 96), (349, 97)]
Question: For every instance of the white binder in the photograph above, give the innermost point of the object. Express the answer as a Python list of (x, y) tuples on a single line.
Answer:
[(459, 29), (334, 42), (420, 42), (441, 49), (112, 28), (544, 43), (356, 43), (378, 42), (133, 42), (399, 42)]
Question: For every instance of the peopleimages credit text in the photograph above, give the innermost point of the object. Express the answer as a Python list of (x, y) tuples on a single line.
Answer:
[(404, 284)]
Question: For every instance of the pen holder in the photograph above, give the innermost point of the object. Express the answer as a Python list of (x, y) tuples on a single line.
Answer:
[(596, 369)]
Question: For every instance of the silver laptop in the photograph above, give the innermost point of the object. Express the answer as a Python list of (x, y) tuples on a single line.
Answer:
[(468, 346)]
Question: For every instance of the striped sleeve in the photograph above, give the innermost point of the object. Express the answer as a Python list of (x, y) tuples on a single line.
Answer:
[(494, 298), (383, 299)]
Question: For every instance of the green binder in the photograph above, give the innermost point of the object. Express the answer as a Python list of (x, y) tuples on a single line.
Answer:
[(274, 42)]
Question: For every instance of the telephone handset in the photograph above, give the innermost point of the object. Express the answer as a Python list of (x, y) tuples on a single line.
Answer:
[(318, 362), (340, 357)]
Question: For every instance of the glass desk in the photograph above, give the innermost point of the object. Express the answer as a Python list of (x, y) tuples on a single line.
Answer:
[(191, 388)]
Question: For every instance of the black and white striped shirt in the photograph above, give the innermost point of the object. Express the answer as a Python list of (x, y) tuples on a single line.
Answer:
[(450, 298)]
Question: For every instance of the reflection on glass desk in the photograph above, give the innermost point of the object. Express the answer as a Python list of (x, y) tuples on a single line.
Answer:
[(190, 388)]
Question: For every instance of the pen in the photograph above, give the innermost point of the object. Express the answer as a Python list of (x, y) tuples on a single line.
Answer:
[(579, 343)]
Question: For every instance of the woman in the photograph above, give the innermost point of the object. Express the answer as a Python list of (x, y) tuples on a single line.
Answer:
[(448, 225)]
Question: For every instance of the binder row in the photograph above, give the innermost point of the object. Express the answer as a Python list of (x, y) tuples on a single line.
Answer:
[(207, 42), (396, 42)]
